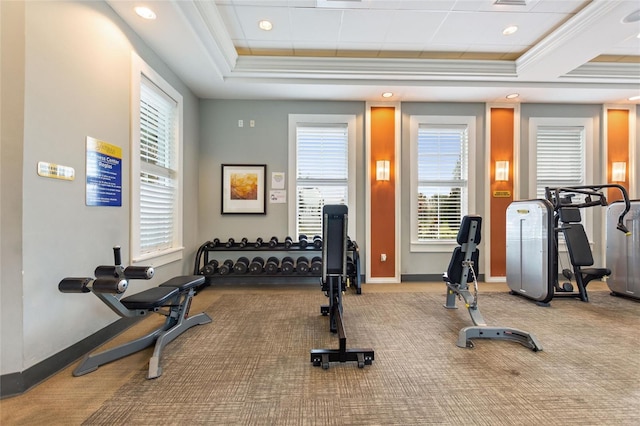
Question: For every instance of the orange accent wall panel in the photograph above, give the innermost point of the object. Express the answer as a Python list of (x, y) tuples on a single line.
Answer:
[(617, 147), (383, 198), (502, 127)]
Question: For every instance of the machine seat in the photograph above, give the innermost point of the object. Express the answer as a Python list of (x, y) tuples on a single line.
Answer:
[(152, 298)]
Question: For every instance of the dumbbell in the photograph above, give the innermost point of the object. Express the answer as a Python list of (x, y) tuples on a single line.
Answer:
[(241, 266), (287, 265), (273, 242), (257, 265), (272, 265), (244, 242), (303, 241), (213, 243), (317, 241), (351, 266), (226, 267), (230, 243), (316, 265), (258, 242), (350, 245), (288, 242), (210, 268), (302, 265)]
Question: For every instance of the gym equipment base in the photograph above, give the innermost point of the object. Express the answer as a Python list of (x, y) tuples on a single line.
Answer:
[(322, 357)]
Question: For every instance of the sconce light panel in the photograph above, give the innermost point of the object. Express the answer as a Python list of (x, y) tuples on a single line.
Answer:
[(619, 171), (502, 171), (382, 170)]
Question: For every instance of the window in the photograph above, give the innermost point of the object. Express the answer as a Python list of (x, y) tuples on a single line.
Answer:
[(322, 166), (561, 151), (156, 175), (441, 149)]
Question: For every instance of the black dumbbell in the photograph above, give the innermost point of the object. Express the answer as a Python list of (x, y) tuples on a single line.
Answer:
[(316, 265), (303, 241), (302, 265), (212, 244), (288, 242), (273, 242), (272, 265), (287, 265), (258, 242), (210, 268), (226, 267), (244, 242), (229, 243), (257, 265), (241, 266), (351, 266), (350, 244), (317, 241)]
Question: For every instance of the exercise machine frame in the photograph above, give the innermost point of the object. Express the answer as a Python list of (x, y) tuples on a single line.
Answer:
[(333, 282), (171, 299), (461, 271), (541, 284)]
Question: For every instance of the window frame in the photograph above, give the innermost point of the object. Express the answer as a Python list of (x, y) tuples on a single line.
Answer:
[(415, 122), (140, 71), (296, 120)]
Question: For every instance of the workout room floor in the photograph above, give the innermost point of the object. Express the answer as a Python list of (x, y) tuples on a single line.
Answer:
[(64, 399)]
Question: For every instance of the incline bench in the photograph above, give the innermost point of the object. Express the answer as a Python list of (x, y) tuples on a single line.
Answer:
[(174, 296)]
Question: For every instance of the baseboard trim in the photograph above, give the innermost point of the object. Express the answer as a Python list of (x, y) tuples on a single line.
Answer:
[(13, 384), (428, 277)]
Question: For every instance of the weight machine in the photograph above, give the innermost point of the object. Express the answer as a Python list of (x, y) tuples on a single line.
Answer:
[(333, 281), (462, 271), (174, 296), (533, 229)]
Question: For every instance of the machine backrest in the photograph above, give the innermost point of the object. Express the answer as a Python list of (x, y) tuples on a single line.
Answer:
[(578, 245), (456, 270), (570, 215), (468, 238), (334, 237), (466, 227)]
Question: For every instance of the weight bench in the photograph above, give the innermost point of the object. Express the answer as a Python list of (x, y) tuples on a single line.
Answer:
[(171, 299), (463, 270), (333, 281), (579, 252)]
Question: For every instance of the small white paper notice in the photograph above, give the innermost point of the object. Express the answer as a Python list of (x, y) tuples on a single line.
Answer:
[(278, 196), (277, 180)]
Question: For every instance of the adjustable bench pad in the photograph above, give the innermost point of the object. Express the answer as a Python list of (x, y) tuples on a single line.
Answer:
[(154, 297), (185, 282)]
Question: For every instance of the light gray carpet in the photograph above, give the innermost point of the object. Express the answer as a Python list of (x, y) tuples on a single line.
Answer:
[(251, 365)]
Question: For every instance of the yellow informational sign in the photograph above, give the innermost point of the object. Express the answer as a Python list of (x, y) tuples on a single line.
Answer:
[(56, 171), (104, 173), (502, 194)]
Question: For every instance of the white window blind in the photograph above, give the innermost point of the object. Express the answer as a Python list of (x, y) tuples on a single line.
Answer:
[(158, 173), (442, 164), (560, 157), (322, 172)]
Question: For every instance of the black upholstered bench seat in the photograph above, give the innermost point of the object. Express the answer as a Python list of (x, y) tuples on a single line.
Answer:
[(184, 282), (154, 297)]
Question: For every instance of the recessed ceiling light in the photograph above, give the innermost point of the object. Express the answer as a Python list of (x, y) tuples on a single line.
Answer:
[(513, 95), (387, 94), (145, 12), (635, 98), (265, 25), (510, 30)]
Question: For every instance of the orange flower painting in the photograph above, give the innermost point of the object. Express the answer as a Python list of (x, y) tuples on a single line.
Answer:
[(244, 186)]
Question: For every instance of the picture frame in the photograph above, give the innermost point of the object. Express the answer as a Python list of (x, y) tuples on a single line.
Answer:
[(244, 189)]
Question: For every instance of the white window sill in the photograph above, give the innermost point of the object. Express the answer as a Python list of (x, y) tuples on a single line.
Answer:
[(159, 258), (433, 247)]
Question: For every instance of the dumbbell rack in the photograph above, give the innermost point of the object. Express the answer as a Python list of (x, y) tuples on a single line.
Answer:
[(221, 252)]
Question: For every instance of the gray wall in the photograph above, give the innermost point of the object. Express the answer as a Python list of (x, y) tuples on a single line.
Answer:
[(77, 68), (223, 142)]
